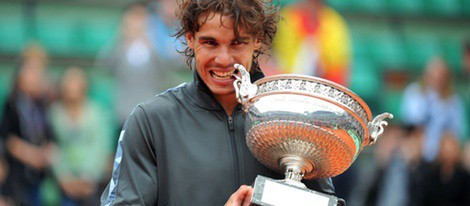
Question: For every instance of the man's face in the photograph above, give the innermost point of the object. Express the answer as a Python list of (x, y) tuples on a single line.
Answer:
[(216, 51)]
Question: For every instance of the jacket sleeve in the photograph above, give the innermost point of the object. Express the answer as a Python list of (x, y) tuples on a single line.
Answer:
[(324, 185), (134, 177)]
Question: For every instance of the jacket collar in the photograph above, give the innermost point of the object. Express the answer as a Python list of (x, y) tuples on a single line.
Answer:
[(201, 96)]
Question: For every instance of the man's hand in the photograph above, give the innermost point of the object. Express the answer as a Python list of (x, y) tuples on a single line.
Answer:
[(242, 197)]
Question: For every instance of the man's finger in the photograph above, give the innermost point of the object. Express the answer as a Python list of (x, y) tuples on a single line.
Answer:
[(238, 197), (249, 194)]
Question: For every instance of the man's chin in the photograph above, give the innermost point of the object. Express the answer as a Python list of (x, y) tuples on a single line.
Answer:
[(222, 91)]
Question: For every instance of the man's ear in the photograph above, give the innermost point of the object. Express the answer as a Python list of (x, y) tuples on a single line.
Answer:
[(258, 43), (190, 40)]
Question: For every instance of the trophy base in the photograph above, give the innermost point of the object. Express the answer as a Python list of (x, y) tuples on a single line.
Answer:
[(270, 192)]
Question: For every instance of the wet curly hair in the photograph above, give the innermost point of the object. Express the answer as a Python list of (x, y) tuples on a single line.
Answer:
[(257, 17)]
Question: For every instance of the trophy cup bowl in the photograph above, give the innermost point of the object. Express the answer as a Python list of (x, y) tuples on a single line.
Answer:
[(304, 126)]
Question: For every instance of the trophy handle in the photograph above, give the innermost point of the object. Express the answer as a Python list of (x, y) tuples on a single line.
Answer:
[(376, 127), (244, 89)]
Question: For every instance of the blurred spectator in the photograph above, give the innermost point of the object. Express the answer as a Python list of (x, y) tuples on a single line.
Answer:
[(466, 61), (447, 182), (432, 102), (398, 168), (383, 153), (161, 26), (133, 61), (3, 173), (465, 81), (466, 156), (3, 168), (402, 177), (313, 39), (25, 131), (83, 140)]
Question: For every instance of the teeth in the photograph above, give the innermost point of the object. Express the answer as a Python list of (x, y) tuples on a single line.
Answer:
[(222, 75)]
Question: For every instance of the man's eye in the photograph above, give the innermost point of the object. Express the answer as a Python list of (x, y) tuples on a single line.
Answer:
[(237, 42), (210, 43)]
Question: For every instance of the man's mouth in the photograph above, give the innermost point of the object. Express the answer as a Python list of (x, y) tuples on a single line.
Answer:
[(223, 75)]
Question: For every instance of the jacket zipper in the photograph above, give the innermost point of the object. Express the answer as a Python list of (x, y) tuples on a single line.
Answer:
[(234, 152)]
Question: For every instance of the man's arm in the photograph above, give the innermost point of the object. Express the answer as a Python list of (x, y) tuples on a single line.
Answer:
[(324, 185), (134, 177)]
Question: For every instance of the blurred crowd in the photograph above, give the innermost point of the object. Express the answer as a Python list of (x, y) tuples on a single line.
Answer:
[(425, 159), (54, 135), (52, 131)]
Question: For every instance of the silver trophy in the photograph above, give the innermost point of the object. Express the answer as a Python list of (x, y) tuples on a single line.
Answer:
[(305, 127)]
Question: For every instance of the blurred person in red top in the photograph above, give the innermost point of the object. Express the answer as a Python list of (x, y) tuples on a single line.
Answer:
[(313, 39), (25, 131)]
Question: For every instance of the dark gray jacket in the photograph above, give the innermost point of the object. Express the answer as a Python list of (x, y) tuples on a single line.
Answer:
[(181, 148)]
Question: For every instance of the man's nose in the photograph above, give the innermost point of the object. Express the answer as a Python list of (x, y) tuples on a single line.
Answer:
[(224, 56)]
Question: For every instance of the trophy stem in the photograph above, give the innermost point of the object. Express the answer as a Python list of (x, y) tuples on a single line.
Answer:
[(294, 173), (295, 169)]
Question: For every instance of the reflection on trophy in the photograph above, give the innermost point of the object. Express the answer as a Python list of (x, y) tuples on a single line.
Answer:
[(305, 127)]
